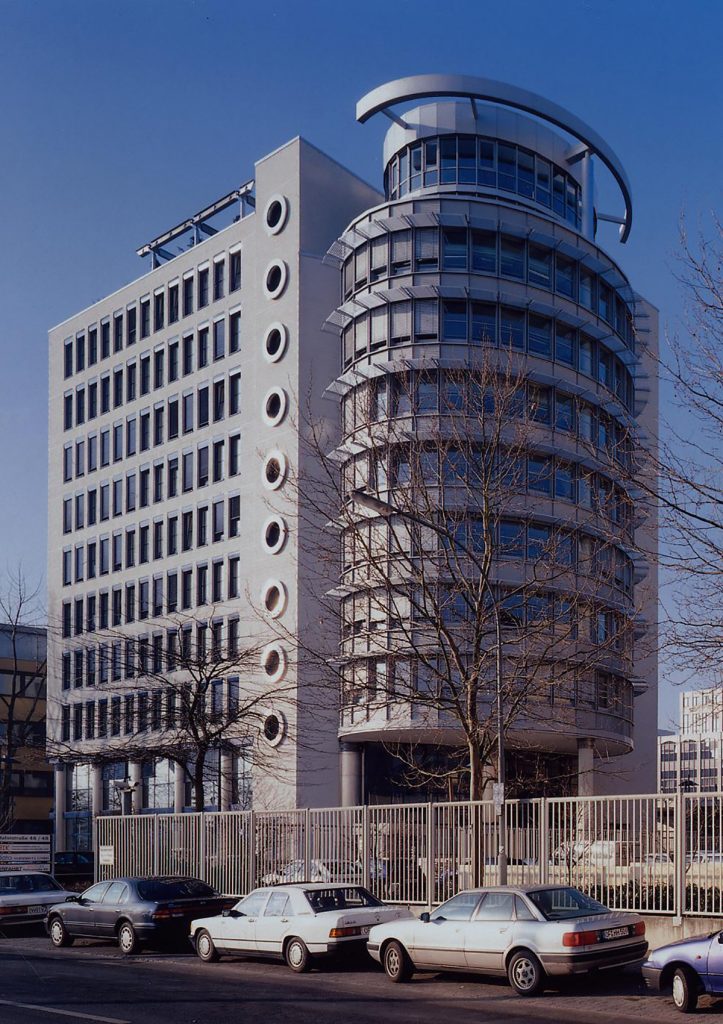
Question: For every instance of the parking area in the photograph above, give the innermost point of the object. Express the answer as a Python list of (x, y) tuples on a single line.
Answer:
[(93, 981)]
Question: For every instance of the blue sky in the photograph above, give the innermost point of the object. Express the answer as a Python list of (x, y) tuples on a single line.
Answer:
[(121, 118)]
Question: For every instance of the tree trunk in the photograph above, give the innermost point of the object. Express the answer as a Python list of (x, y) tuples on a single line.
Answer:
[(476, 771), (198, 769)]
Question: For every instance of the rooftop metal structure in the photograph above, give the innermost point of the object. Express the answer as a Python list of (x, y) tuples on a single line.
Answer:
[(244, 195), (404, 90)]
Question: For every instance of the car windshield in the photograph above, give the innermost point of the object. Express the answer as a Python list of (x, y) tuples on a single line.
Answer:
[(347, 897), (565, 903), (156, 889), (11, 884)]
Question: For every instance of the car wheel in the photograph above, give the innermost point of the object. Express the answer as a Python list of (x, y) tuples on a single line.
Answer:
[(127, 939), (205, 947), (59, 934), (525, 973), (397, 965), (685, 991), (298, 956)]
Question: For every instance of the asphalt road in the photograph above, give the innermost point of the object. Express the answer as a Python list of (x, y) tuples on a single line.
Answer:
[(92, 982)]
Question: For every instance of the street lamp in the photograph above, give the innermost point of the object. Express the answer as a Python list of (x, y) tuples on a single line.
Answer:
[(385, 509)]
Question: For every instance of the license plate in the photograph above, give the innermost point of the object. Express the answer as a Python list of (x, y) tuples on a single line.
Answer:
[(37, 909), (616, 933)]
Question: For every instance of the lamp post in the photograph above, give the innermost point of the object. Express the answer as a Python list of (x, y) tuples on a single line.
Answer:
[(385, 509)]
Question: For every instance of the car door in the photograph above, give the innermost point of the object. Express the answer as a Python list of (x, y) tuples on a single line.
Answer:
[(715, 963), (439, 942), (488, 934), (271, 925), (106, 912), (79, 916), (237, 931)]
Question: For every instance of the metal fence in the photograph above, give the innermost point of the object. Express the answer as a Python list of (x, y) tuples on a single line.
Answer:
[(654, 854)]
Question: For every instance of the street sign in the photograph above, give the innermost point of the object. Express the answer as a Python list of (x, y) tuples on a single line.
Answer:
[(106, 856), (24, 851)]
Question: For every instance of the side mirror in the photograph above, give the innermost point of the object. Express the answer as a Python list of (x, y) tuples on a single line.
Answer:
[(720, 938), (425, 917), (72, 899)]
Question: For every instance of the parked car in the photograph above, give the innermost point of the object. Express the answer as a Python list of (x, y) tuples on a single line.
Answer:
[(687, 969), (133, 911), (297, 923), (326, 871), (74, 868), (26, 895), (524, 932)]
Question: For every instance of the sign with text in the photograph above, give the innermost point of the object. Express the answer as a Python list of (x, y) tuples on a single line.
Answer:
[(106, 856)]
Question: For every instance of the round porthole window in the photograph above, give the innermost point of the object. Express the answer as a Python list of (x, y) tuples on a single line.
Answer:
[(276, 214), (274, 728), (273, 535), (274, 472), (277, 274), (275, 405), (273, 662), (274, 597), (275, 341)]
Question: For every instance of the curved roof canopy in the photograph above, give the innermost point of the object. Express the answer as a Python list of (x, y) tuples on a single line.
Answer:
[(488, 90)]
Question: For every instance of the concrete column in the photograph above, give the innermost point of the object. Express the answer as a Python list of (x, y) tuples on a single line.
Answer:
[(586, 767), (97, 790), (351, 774), (179, 790), (226, 788), (134, 775), (59, 778)]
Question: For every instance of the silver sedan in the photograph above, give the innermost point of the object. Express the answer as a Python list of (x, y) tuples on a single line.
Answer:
[(525, 933)]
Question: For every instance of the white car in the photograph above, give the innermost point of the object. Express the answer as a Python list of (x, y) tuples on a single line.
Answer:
[(296, 923), (26, 895), (523, 932)]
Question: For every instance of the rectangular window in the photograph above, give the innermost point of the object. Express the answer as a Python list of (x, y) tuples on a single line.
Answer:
[(539, 266), (158, 540), (202, 526), (454, 321), (218, 520), (234, 273), (234, 516), (159, 311), (172, 477), (512, 257), (218, 461), (202, 467), (219, 339), (203, 288), (187, 531), (217, 582), (219, 400), (203, 348), (187, 355), (92, 346), (68, 358), (234, 454), (105, 339), (105, 394), (92, 400), (186, 592), (171, 592), (234, 332), (131, 325), (145, 318), (158, 482), (68, 412), (118, 333), (117, 388), (233, 577), (172, 535), (539, 336), (219, 275), (158, 425), (188, 295), (172, 362), (454, 249), (201, 586)]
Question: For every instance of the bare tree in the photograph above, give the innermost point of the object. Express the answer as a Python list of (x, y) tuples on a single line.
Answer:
[(195, 687), (22, 694), (684, 476), (459, 603)]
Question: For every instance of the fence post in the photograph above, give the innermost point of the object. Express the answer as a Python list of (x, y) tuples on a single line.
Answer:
[(543, 844), (366, 852), (307, 844), (202, 846), (430, 872), (156, 845), (679, 866), (250, 865)]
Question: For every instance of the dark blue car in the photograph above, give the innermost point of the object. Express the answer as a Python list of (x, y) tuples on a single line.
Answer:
[(688, 968)]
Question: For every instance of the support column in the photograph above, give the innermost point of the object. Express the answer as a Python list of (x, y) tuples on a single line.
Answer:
[(586, 767), (96, 790), (59, 779), (134, 776), (226, 787), (351, 774), (588, 197), (179, 789)]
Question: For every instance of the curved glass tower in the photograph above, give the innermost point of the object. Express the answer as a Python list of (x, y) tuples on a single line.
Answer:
[(481, 270)]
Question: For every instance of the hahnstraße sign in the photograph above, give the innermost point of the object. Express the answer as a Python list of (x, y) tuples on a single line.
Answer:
[(24, 853)]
